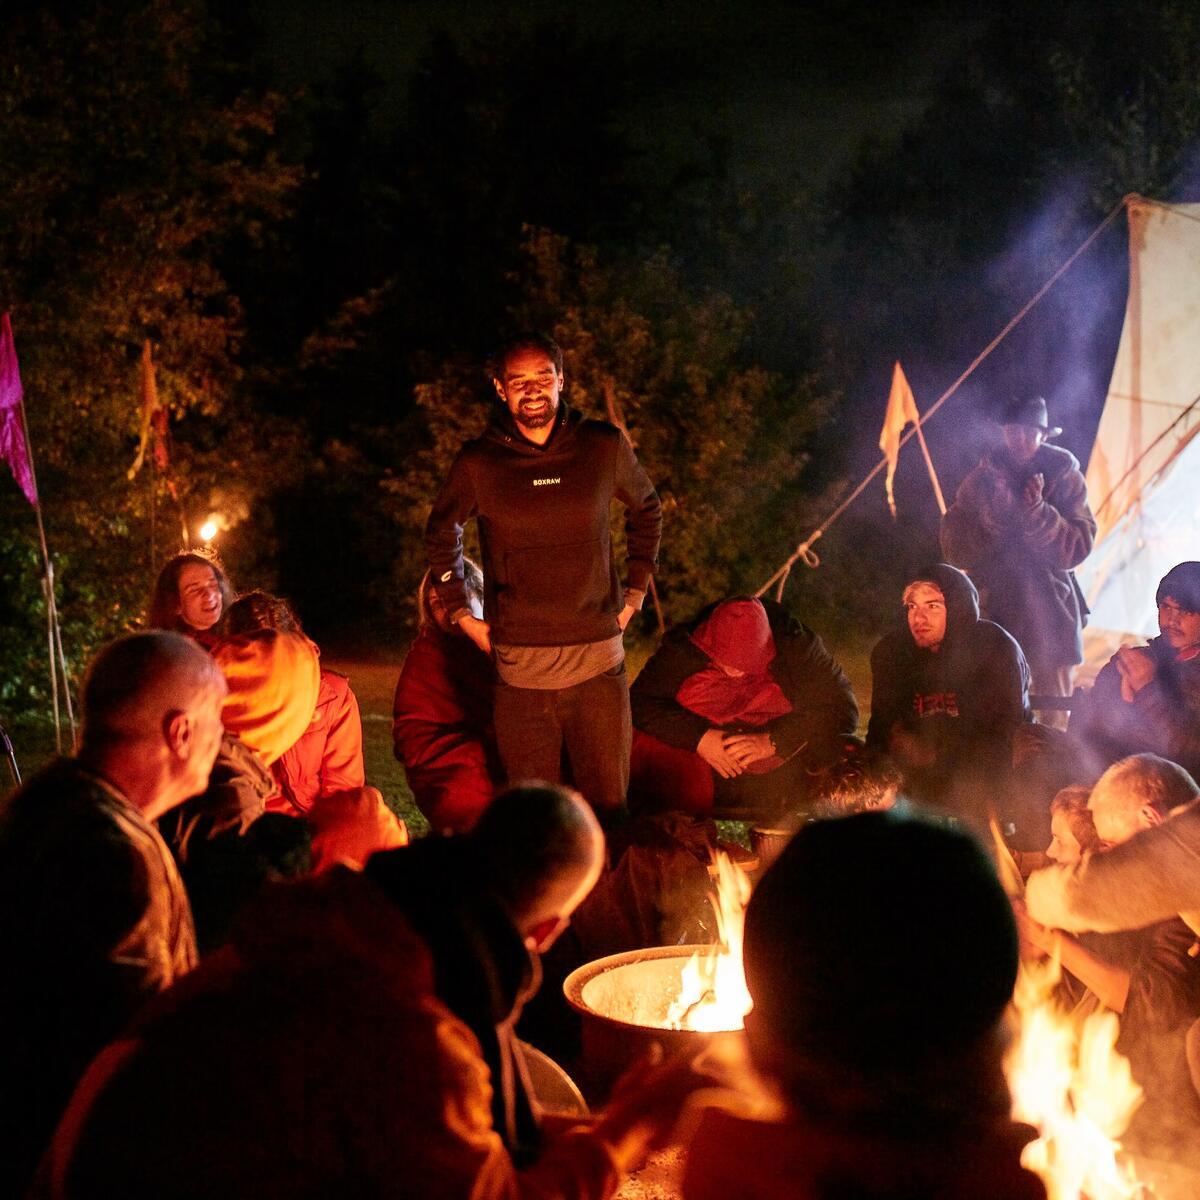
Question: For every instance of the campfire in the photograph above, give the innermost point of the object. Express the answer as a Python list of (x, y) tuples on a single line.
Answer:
[(700, 989), (667, 994), (1069, 1082), (712, 995)]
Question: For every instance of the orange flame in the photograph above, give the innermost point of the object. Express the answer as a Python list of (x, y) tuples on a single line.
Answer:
[(1069, 1082), (713, 994)]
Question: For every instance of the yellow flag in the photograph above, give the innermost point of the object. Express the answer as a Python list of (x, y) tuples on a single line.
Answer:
[(901, 409)]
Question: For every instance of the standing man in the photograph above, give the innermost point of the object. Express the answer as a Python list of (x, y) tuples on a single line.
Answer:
[(540, 482), (1020, 524)]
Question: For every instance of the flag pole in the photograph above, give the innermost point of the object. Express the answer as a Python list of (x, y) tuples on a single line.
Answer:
[(933, 477), (54, 630)]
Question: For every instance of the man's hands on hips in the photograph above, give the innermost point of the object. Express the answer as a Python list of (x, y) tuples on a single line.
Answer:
[(626, 615), (480, 632)]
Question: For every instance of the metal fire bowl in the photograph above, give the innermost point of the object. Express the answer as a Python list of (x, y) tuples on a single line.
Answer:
[(620, 998)]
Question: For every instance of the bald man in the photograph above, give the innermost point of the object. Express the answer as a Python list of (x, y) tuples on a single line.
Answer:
[(355, 1038), (93, 917)]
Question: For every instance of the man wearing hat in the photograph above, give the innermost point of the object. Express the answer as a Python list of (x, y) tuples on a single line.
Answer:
[(1019, 525)]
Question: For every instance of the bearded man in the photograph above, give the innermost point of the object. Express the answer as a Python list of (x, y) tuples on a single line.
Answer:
[(539, 483)]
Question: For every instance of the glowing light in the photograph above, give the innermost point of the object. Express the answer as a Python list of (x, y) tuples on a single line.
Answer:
[(209, 530), (1069, 1082), (713, 994)]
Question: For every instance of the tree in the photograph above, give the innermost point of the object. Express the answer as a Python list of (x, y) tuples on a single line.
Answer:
[(723, 440), (132, 159)]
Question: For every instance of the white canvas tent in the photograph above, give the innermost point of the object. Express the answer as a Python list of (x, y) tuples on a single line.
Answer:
[(1144, 472)]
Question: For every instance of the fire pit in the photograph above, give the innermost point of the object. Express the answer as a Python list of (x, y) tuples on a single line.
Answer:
[(678, 996), (629, 1001)]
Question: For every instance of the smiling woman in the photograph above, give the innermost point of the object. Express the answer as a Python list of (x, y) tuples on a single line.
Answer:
[(191, 595)]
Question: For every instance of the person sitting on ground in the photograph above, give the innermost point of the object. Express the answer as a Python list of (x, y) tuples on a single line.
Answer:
[(883, 1041), (948, 693), (865, 782), (93, 917), (191, 595), (355, 1040), (739, 709), (321, 776), (1148, 976), (442, 715), (1147, 698), (226, 843)]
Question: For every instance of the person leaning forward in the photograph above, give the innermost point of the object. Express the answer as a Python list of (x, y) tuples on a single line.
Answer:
[(539, 483)]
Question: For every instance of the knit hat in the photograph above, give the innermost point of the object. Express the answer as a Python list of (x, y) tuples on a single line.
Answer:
[(1181, 584), (832, 981), (273, 679), (1031, 412)]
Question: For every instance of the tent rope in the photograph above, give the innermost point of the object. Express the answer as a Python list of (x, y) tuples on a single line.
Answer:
[(803, 552), (1142, 457)]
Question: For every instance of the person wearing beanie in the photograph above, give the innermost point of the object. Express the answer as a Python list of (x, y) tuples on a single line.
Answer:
[(226, 844), (884, 1051), (1020, 524), (737, 709), (948, 692), (1147, 698)]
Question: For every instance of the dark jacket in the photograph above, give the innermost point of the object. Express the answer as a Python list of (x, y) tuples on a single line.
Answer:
[(227, 846), (1021, 558), (543, 518), (482, 971), (823, 714), (966, 700), (1163, 718), (307, 1059), (94, 921), (442, 728)]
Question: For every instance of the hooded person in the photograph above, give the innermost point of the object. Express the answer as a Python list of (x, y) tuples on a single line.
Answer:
[(881, 1043), (1146, 699), (320, 776), (739, 709), (226, 843), (442, 727), (948, 692), (1020, 523)]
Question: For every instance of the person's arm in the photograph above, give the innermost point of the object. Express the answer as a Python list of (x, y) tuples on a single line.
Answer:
[(997, 700), (1152, 877), (968, 528), (643, 517), (652, 695), (342, 758), (824, 711), (1059, 529), (1169, 715), (454, 506), (887, 699)]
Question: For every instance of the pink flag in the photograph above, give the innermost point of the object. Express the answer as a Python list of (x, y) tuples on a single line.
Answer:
[(13, 447)]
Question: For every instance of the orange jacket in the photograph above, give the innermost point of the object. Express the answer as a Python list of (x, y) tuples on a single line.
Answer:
[(328, 755)]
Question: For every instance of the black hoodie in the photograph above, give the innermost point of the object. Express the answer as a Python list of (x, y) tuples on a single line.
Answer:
[(543, 516), (966, 699)]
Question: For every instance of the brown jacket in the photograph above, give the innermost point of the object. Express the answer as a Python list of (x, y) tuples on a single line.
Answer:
[(94, 921)]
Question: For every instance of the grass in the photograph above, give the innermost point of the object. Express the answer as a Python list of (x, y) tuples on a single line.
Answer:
[(374, 684)]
